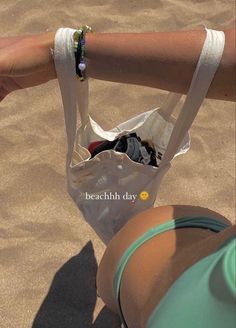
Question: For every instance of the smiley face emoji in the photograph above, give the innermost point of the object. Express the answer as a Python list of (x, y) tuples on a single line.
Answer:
[(144, 195)]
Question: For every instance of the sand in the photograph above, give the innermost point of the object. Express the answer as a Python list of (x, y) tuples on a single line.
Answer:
[(48, 254)]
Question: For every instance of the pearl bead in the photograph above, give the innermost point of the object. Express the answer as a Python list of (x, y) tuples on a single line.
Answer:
[(82, 66)]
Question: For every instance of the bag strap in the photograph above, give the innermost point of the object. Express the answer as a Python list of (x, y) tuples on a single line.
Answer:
[(207, 65), (168, 106), (74, 92)]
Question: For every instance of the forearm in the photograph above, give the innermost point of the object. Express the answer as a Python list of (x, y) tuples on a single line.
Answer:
[(164, 60)]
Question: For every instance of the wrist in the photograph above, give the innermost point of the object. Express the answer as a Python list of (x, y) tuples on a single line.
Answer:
[(46, 40), (39, 49)]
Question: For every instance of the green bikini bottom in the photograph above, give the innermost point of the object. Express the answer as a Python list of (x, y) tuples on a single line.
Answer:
[(204, 296)]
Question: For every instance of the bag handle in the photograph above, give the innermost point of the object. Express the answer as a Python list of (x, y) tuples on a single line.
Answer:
[(171, 101), (74, 92), (207, 65)]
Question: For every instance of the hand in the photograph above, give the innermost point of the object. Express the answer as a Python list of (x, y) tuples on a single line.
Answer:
[(10, 84)]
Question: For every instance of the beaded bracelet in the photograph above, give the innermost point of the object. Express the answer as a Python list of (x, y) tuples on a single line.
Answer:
[(79, 50)]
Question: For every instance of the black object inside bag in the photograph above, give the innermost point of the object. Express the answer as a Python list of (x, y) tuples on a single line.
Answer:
[(137, 150)]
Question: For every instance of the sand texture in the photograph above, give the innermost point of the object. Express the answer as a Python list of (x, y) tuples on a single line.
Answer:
[(48, 254)]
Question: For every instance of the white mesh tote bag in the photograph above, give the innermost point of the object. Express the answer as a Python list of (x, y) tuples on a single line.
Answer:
[(107, 187)]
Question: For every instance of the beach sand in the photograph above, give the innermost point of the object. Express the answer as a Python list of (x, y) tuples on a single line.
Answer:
[(48, 254)]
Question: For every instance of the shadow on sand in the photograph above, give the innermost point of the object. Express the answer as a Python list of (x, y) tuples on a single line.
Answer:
[(71, 299)]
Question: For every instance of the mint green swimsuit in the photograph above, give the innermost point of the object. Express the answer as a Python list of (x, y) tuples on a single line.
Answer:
[(204, 296)]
